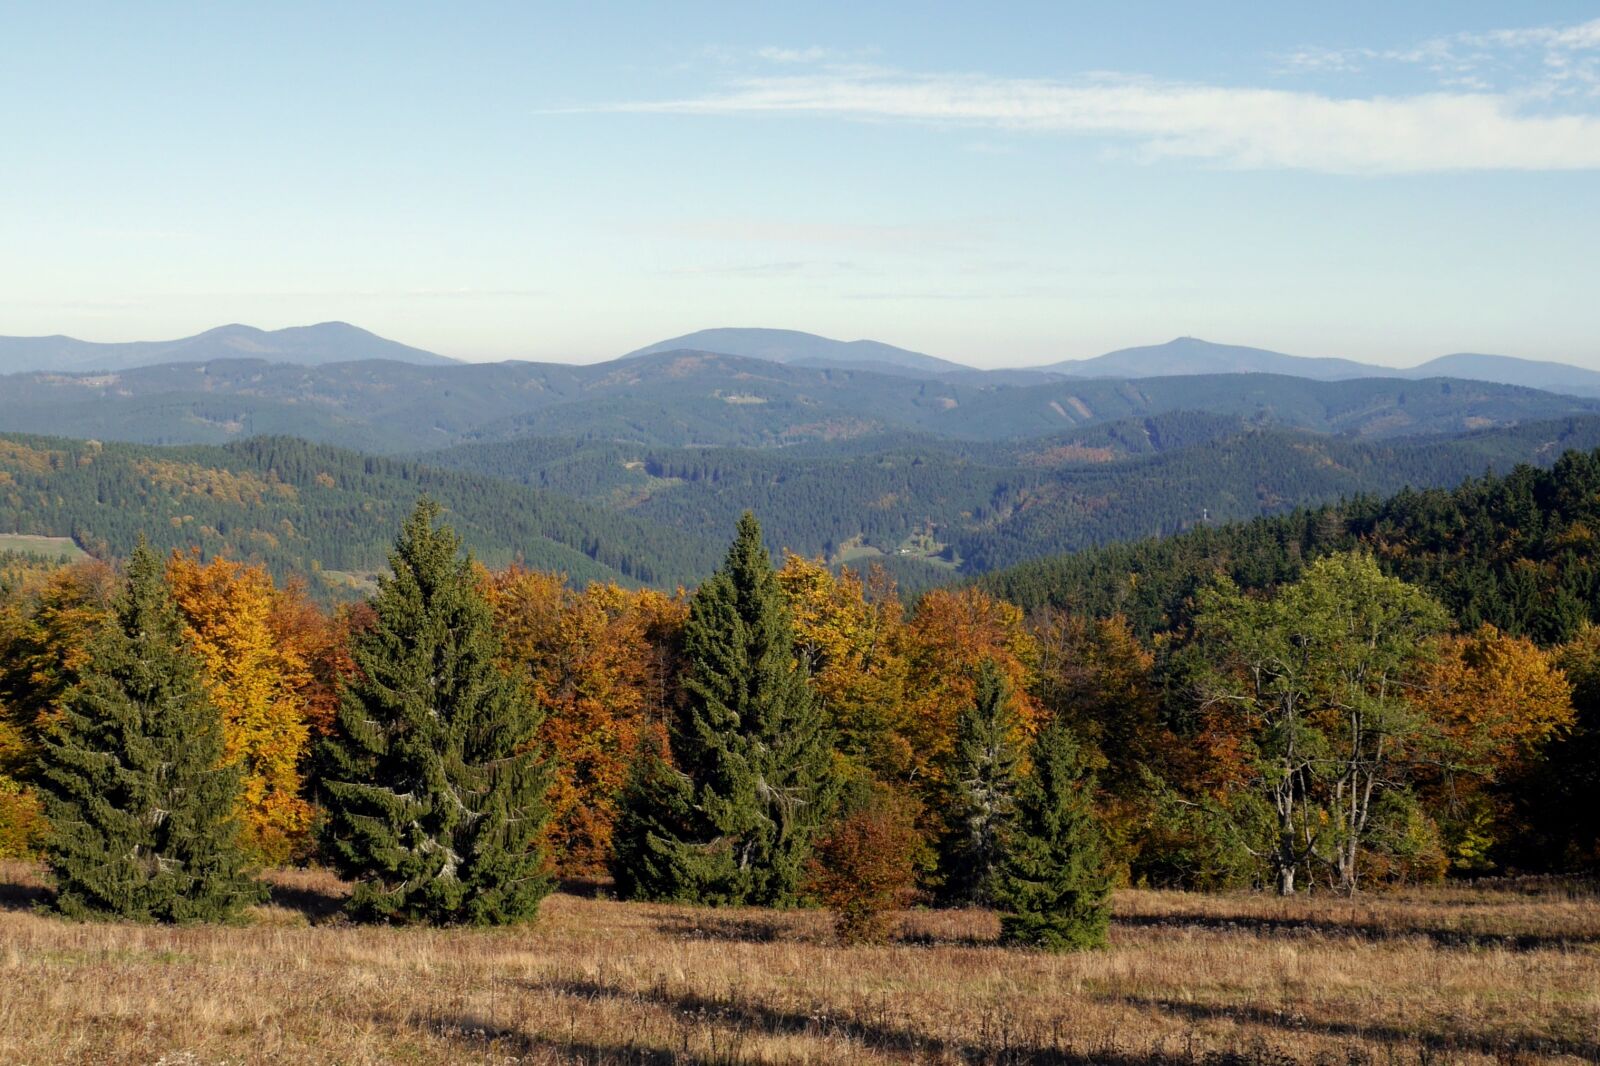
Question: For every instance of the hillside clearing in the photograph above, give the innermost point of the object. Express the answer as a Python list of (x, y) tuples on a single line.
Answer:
[(1441, 975), (44, 547)]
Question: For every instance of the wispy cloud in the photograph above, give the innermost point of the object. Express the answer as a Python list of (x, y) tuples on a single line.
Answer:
[(1476, 117), (1531, 61), (1244, 127)]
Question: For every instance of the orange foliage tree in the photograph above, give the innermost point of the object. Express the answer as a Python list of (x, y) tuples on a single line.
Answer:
[(600, 661), (258, 681), (950, 634)]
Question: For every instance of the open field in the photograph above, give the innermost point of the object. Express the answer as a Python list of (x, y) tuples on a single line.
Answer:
[(45, 547), (1509, 974)]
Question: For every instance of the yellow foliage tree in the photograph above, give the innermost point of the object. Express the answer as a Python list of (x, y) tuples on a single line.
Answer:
[(258, 681), (1496, 701), (851, 633)]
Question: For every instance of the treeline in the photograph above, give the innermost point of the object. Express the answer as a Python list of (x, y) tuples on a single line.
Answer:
[(300, 508), (1514, 551), (781, 735)]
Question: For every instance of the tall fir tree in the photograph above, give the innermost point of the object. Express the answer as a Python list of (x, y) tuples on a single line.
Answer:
[(434, 787), (731, 820), (983, 786), (1054, 890), (139, 803)]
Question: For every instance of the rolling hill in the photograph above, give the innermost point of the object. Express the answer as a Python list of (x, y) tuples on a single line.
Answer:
[(941, 506), (806, 349), (315, 510), (702, 399), (327, 342)]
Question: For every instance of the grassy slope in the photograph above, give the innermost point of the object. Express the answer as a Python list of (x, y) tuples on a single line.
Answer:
[(1438, 975)]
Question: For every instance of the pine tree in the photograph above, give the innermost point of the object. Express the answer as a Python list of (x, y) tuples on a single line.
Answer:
[(733, 818), (983, 784), (1053, 889), (435, 790), (140, 805)]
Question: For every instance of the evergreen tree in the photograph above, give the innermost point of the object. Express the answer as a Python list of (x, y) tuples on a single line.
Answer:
[(435, 790), (733, 818), (140, 807), (984, 786), (1053, 890)]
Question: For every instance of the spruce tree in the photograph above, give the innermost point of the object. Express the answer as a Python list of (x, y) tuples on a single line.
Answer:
[(983, 786), (1053, 890), (140, 807), (434, 788), (733, 818)]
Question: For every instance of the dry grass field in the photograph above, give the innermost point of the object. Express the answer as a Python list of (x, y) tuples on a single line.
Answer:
[(1505, 974)]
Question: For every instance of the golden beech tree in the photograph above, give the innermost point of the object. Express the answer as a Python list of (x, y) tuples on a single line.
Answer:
[(1496, 701), (600, 662), (851, 633), (258, 682), (950, 634)]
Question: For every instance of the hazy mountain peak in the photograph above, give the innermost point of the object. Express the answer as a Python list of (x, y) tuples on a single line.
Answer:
[(1192, 355), (794, 346), (315, 345)]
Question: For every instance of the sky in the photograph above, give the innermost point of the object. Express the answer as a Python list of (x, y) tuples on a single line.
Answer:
[(1000, 184)]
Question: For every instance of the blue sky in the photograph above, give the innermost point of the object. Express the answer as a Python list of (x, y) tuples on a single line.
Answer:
[(1008, 185)]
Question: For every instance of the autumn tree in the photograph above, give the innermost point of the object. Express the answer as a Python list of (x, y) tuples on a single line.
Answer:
[(139, 796), (729, 814), (865, 865), (435, 786), (1054, 887), (950, 635), (596, 660), (1497, 702), (850, 633), (256, 676), (983, 786)]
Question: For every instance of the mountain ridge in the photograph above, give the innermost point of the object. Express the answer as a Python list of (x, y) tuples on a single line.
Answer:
[(313, 345)]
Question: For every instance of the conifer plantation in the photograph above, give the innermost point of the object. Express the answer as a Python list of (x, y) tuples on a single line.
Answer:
[(435, 789), (139, 804), (732, 819)]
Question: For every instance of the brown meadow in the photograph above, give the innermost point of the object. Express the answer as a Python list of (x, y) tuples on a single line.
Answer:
[(1496, 973)]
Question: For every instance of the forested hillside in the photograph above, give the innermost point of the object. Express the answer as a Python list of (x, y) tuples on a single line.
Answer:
[(303, 508), (930, 504), (1517, 551), (699, 399)]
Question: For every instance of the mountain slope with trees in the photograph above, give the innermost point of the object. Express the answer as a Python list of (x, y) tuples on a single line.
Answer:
[(304, 508)]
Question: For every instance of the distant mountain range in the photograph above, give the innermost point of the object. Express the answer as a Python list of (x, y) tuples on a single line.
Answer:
[(326, 342), (699, 399), (1190, 355), (340, 342)]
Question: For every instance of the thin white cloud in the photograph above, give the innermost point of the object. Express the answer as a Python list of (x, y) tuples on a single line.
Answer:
[(794, 55), (1244, 127), (1537, 62)]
